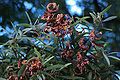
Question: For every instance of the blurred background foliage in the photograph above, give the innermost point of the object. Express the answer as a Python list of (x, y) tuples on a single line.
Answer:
[(14, 11)]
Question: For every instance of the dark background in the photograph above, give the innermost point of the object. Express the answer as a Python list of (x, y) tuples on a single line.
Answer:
[(14, 11)]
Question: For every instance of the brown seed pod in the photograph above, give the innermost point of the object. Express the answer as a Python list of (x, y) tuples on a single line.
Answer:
[(52, 7), (13, 77), (33, 65)]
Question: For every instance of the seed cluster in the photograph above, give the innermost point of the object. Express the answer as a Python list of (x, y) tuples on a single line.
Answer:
[(57, 23)]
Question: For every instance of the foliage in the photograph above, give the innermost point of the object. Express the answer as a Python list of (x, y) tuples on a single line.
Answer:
[(53, 49)]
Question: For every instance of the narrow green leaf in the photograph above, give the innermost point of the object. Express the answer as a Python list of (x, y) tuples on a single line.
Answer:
[(20, 33), (54, 67), (34, 77), (26, 30), (83, 18), (107, 29), (75, 23), (24, 24), (45, 73), (39, 77), (20, 72), (43, 6), (93, 16), (3, 79), (14, 27), (37, 53), (43, 76), (28, 18), (115, 58), (72, 77), (113, 52), (37, 19), (117, 76), (106, 44), (85, 21), (109, 18), (90, 76), (48, 60), (55, 40), (65, 66), (86, 17), (5, 60), (106, 57), (105, 10), (72, 18)]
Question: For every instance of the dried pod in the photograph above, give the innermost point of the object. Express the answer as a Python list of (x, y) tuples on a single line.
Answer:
[(52, 7), (33, 65), (67, 54), (13, 77)]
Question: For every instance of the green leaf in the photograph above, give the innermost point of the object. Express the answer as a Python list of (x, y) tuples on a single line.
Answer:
[(72, 18), (107, 29), (83, 18), (45, 73), (105, 10), (14, 27), (117, 77), (72, 77), (37, 19), (109, 18), (20, 33), (90, 76), (75, 23), (24, 24), (86, 17), (80, 20), (115, 58), (5, 60), (43, 6), (34, 77), (106, 44), (106, 57), (37, 53), (49, 47), (3, 79), (85, 21), (65, 66), (48, 60), (43, 76), (55, 40), (26, 30), (28, 18), (113, 52), (54, 67), (20, 72), (100, 42), (93, 16), (39, 77)]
